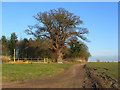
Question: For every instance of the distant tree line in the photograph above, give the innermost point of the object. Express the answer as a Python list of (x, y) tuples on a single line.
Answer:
[(40, 48)]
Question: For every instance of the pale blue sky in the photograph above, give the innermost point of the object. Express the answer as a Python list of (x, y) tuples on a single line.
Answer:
[(101, 19)]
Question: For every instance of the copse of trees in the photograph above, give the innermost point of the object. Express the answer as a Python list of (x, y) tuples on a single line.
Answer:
[(39, 48), (8, 46), (33, 48)]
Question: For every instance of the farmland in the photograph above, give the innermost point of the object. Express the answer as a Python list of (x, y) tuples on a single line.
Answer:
[(82, 75), (110, 69), (21, 72), (105, 73)]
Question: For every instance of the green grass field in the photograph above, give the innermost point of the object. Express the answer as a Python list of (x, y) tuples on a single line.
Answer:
[(102, 66), (20, 72)]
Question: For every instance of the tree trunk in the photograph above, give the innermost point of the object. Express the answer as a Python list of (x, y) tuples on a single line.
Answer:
[(58, 56)]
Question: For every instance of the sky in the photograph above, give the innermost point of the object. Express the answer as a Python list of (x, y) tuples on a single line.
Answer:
[(100, 18), (60, 0)]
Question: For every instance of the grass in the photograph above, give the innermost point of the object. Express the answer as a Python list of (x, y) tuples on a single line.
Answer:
[(20, 72), (101, 66)]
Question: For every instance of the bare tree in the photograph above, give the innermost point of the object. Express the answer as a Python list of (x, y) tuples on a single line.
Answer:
[(59, 27)]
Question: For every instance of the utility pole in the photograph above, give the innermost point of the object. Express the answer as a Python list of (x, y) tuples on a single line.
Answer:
[(14, 55)]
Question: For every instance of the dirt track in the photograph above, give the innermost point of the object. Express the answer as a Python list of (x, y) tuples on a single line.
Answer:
[(74, 77)]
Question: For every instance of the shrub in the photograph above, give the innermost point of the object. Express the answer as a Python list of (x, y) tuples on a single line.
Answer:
[(5, 59)]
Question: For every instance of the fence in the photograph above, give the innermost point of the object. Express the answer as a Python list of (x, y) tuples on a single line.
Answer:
[(31, 59)]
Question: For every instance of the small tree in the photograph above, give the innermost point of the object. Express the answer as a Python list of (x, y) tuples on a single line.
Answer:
[(60, 26), (79, 50), (5, 49), (12, 43)]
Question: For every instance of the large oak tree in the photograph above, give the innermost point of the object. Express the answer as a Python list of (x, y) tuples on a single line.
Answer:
[(59, 27)]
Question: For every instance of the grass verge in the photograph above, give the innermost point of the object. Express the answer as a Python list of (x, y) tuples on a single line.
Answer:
[(20, 72)]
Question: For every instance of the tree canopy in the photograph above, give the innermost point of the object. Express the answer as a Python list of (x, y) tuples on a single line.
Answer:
[(59, 27)]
